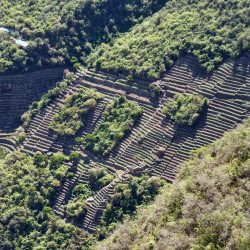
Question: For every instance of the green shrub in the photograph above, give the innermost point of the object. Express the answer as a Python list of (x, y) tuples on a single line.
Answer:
[(128, 197), (56, 160), (3, 152), (76, 209), (82, 191), (156, 90), (99, 178), (40, 160), (185, 109), (74, 157)]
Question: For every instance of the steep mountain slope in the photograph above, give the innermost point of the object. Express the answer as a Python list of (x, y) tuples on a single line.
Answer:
[(209, 30), (63, 32), (156, 145), (17, 92), (107, 138), (207, 207)]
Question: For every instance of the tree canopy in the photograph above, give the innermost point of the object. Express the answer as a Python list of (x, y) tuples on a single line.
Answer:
[(64, 32), (209, 30)]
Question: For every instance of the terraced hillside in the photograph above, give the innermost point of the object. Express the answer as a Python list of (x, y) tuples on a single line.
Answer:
[(228, 91), (17, 92)]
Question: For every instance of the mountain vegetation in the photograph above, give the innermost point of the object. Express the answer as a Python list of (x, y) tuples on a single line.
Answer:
[(128, 197), (71, 116), (207, 207), (77, 207), (27, 189), (80, 184), (64, 32), (209, 30), (119, 119), (185, 109)]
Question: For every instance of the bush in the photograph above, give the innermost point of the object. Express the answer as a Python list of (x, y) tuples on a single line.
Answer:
[(40, 160), (185, 109), (155, 89), (128, 197), (99, 178), (82, 191), (74, 157), (56, 160), (76, 209)]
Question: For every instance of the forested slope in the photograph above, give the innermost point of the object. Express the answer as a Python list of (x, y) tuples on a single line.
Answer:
[(63, 32), (26, 191), (209, 30), (207, 207)]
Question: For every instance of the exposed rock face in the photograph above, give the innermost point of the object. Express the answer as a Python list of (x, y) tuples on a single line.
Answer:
[(17, 92)]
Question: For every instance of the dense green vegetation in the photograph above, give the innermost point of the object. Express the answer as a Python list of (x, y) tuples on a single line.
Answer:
[(211, 30), (99, 178), (27, 188), (206, 208), (3, 152), (77, 207), (71, 116), (155, 89), (119, 119), (128, 197), (185, 109), (64, 32)]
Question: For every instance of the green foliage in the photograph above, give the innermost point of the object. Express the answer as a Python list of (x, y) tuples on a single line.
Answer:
[(207, 207), (77, 106), (27, 220), (82, 191), (75, 157), (185, 109), (56, 160), (64, 32), (156, 90), (99, 178), (3, 152), (120, 117), (79, 140), (128, 197), (76, 209), (40, 160), (210, 30)]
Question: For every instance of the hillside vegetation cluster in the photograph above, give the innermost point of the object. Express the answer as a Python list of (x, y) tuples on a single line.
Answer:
[(97, 33), (207, 207), (71, 116), (28, 187), (128, 198), (64, 32), (185, 109), (210, 30), (76, 208), (119, 118)]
